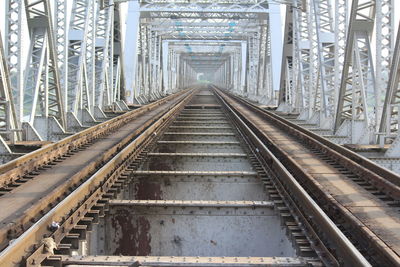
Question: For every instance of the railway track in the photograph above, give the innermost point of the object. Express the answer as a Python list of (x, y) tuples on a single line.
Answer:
[(208, 183), (35, 183), (361, 197)]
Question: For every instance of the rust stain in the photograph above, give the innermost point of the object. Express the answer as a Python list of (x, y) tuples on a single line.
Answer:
[(132, 237), (160, 165), (147, 190)]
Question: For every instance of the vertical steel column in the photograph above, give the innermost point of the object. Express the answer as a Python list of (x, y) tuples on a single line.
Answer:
[(102, 63), (384, 50), (275, 30), (14, 51), (77, 49), (243, 72), (357, 89), (61, 43), (326, 49), (131, 42), (390, 120), (304, 54), (341, 13), (8, 117), (165, 66), (287, 58), (117, 60)]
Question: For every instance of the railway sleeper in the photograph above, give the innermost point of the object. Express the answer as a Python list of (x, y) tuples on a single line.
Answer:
[(81, 230), (63, 249), (100, 208), (94, 214), (88, 222), (72, 239)]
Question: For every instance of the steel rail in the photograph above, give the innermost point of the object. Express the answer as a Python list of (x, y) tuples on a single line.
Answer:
[(379, 176), (357, 228), (77, 204), (17, 168), (333, 235), (36, 210)]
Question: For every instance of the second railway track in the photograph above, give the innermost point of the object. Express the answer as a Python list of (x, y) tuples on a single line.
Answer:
[(204, 185), (361, 197)]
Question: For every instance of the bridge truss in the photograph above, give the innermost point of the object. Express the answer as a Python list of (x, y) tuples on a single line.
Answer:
[(64, 64)]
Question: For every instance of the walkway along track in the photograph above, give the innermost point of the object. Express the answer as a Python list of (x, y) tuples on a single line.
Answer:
[(157, 181), (36, 182), (359, 196)]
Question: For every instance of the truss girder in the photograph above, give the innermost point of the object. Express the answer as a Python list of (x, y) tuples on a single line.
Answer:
[(55, 66), (338, 67)]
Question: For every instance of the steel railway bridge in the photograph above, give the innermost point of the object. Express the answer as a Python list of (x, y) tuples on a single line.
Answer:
[(199, 133)]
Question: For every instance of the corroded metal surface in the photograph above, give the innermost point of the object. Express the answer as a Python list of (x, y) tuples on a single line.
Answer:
[(201, 228), (196, 186)]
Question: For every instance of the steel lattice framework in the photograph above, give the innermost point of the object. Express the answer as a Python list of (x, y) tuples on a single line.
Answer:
[(336, 65), (339, 69)]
